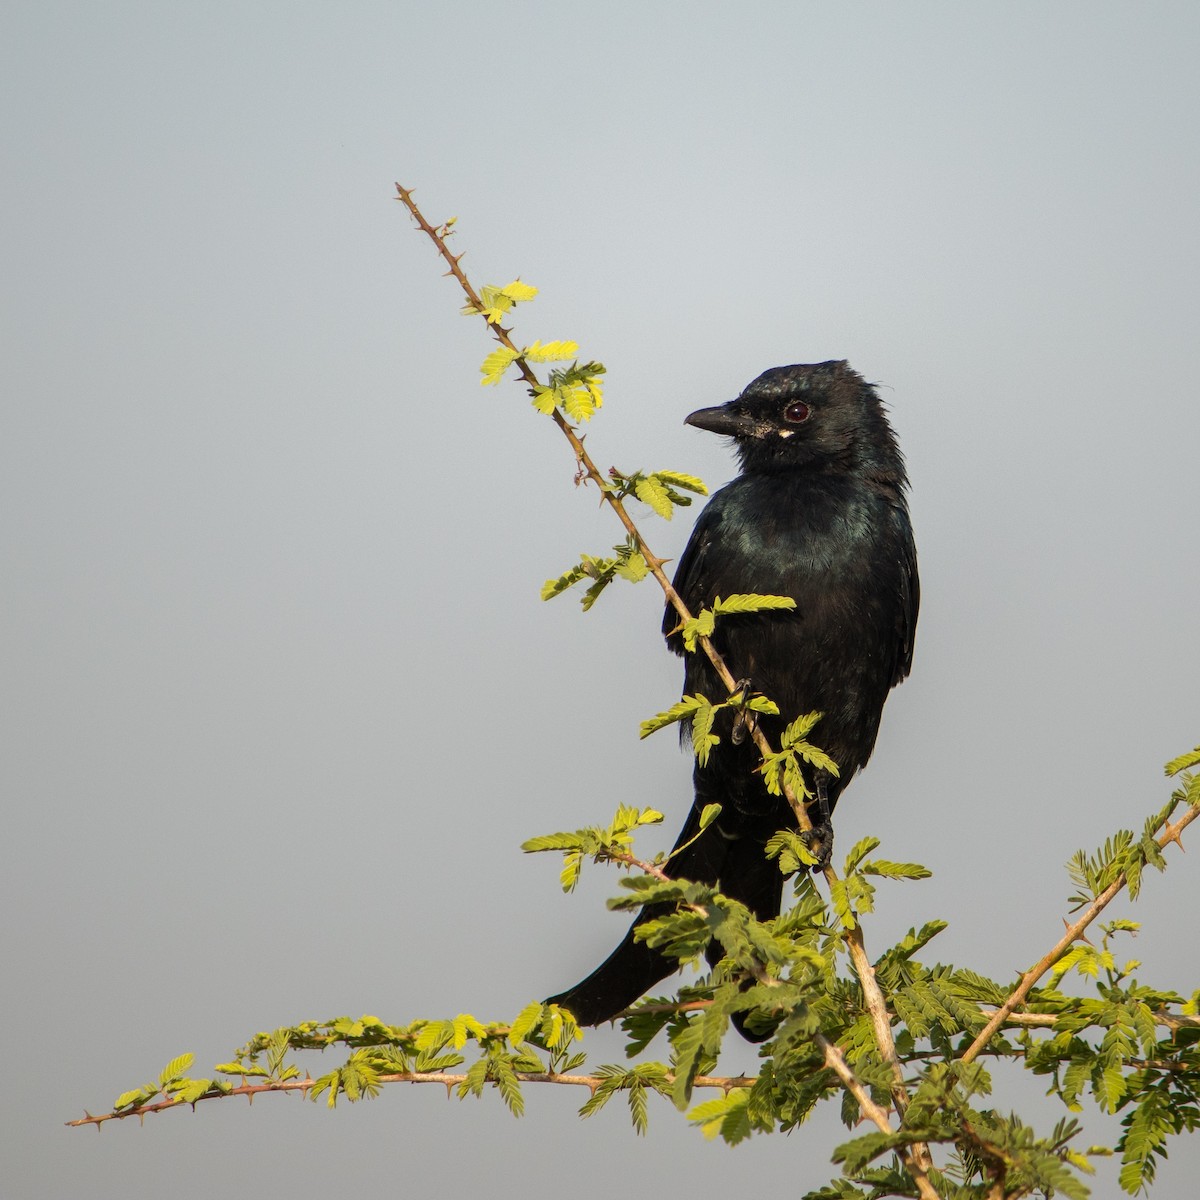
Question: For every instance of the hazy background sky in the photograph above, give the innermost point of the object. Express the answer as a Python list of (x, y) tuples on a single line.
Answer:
[(265, 537)]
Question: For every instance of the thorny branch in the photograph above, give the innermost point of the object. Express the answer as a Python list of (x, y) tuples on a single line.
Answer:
[(449, 1081), (1074, 932), (915, 1163)]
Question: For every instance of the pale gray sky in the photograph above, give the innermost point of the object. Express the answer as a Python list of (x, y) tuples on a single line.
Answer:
[(263, 531)]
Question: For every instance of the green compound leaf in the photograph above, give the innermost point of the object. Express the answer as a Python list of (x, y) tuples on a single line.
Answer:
[(751, 603)]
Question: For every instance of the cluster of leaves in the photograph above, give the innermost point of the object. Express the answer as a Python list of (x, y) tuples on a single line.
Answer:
[(704, 623), (498, 302), (627, 562), (697, 713), (174, 1086), (539, 1043), (782, 768), (989, 1154), (576, 389), (1129, 1048), (1124, 854), (611, 844), (662, 491), (1126, 1048)]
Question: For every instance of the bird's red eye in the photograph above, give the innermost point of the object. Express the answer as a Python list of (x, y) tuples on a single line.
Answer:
[(796, 412)]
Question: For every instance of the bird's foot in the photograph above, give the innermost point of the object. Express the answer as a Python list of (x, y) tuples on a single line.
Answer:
[(745, 722), (819, 839)]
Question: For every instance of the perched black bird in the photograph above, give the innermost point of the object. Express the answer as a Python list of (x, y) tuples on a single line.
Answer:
[(818, 513)]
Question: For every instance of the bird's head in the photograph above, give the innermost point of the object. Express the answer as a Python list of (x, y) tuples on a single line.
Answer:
[(818, 416)]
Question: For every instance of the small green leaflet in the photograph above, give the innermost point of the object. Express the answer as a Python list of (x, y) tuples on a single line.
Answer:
[(496, 364), (748, 602), (651, 492), (660, 490), (630, 564), (703, 623), (697, 627), (689, 483), (135, 1097), (791, 851), (545, 399), (860, 850), (726, 1116), (243, 1069), (634, 568), (176, 1068), (572, 868), (519, 292), (465, 1027), (525, 1023), (703, 739), (593, 593), (800, 728), (781, 770), (550, 351), (576, 389), (497, 301), (679, 711), (580, 400), (555, 587), (1183, 762), (553, 841), (895, 870), (794, 741), (189, 1091)]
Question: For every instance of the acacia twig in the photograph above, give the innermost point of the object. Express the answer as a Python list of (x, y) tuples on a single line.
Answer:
[(449, 1081), (914, 1163), (1074, 932)]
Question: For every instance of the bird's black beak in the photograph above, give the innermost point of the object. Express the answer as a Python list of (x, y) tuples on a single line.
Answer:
[(723, 419)]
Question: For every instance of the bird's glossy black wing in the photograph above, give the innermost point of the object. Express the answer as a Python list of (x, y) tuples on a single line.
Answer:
[(910, 601)]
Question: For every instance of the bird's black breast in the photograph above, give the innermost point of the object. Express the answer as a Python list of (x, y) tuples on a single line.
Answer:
[(842, 549)]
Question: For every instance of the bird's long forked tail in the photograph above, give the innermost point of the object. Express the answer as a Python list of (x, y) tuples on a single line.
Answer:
[(734, 862)]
